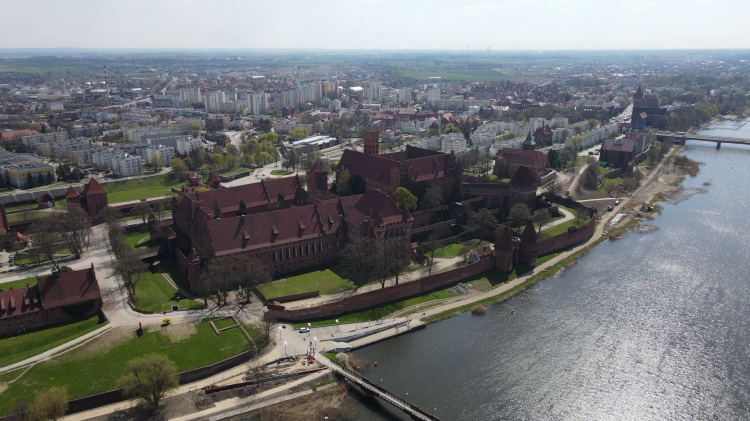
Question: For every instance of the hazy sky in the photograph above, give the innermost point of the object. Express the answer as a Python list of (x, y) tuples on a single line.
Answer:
[(376, 24)]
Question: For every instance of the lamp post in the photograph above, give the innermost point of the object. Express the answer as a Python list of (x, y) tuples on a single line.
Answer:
[(284, 348), (279, 333), (315, 344), (337, 325)]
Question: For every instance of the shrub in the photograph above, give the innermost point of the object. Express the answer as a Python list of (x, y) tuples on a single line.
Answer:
[(167, 320), (479, 310)]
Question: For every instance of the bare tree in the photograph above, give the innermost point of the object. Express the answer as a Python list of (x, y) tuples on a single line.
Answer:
[(397, 254), (465, 253), (357, 260), (428, 247), (483, 221), (150, 378), (46, 237), (433, 197), (251, 272), (221, 275), (555, 187), (76, 228), (130, 269), (541, 217), (49, 405), (266, 325), (141, 210), (519, 213)]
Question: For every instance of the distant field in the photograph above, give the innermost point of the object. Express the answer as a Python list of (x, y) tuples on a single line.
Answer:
[(140, 188), (470, 75), (22, 65)]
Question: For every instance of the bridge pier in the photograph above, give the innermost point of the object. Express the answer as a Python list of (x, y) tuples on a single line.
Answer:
[(718, 145)]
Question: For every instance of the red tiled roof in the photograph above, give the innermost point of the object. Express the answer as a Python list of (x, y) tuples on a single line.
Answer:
[(93, 187), (45, 198), (529, 234), (72, 193), (69, 288), (213, 177), (376, 205), (252, 195), (504, 241), (317, 167), (13, 134), (536, 159), (525, 177), (19, 301), (371, 167)]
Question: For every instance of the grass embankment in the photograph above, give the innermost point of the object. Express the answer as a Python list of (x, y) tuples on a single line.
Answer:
[(154, 293), (21, 283), (324, 280), (452, 250), (545, 274), (37, 341), (32, 214), (59, 251), (280, 172), (177, 276), (562, 228), (141, 188), (97, 366), (132, 239), (224, 323)]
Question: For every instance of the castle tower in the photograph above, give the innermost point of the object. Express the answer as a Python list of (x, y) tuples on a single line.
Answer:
[(214, 181), (372, 142), (317, 178), (528, 249), (504, 248), (528, 144), (638, 97), (95, 199)]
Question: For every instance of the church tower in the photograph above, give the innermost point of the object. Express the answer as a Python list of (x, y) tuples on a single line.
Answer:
[(528, 144), (372, 142)]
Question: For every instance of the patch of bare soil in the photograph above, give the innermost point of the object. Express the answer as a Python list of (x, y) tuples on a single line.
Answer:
[(103, 342), (584, 194), (332, 404)]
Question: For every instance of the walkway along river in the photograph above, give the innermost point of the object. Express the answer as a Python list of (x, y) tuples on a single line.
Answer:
[(648, 327)]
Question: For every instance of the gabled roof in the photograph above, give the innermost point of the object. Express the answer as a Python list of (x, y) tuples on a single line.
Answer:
[(525, 177), (376, 206), (45, 198), (93, 187), (69, 288), (19, 301), (536, 159), (529, 234), (638, 94), (72, 193), (373, 167), (317, 167), (251, 195), (213, 177)]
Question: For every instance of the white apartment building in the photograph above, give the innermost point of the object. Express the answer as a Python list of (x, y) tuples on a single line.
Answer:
[(125, 165), (191, 95), (187, 144), (214, 100), (102, 158), (257, 103), (373, 89), (433, 95), (167, 152), (404, 95), (35, 139), (453, 142), (138, 134)]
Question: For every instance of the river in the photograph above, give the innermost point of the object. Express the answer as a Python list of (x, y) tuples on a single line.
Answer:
[(649, 327)]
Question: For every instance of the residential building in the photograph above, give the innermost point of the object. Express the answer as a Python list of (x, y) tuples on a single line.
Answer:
[(214, 100), (18, 174), (125, 165)]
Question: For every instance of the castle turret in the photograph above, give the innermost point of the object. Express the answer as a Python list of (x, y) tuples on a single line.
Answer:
[(372, 142), (504, 250), (317, 178), (528, 144), (528, 249)]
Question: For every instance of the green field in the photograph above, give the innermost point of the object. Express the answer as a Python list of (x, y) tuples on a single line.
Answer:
[(33, 214), (324, 280), (280, 172), (21, 283), (452, 250), (559, 229), (132, 238), (469, 75), (141, 188), (98, 365), (36, 341), (37, 65), (153, 293)]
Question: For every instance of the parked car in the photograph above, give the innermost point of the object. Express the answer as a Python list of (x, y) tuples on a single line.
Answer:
[(617, 202), (304, 330), (609, 208)]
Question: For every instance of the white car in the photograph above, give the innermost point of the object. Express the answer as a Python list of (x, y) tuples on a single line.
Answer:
[(617, 202), (304, 330)]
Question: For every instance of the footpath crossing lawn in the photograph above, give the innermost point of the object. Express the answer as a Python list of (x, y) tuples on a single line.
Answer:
[(154, 293), (36, 341), (324, 280), (132, 239), (99, 364), (452, 250), (141, 188)]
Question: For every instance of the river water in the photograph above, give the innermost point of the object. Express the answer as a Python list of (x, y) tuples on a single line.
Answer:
[(649, 327)]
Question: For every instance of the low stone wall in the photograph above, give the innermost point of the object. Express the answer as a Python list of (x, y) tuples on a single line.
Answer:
[(569, 203), (295, 297), (566, 239), (380, 296), (447, 224), (612, 174)]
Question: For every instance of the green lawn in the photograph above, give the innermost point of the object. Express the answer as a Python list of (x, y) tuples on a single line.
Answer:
[(223, 323), (21, 207), (132, 238), (97, 366), (141, 188), (559, 229), (177, 276), (28, 215), (153, 293), (36, 341), (21, 283), (280, 172), (324, 280), (452, 250), (21, 258)]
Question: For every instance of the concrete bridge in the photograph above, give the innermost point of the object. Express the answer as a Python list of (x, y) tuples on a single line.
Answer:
[(373, 389), (680, 137)]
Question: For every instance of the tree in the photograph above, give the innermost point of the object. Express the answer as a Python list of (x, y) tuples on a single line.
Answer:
[(433, 197), (299, 133), (542, 218), (266, 325), (629, 184), (130, 269), (519, 213), (76, 226), (593, 123), (590, 176), (576, 141), (465, 253), (270, 136), (343, 186), (451, 128), (49, 405), (157, 161), (555, 187), (141, 210), (405, 199), (150, 378), (46, 237), (179, 168), (483, 221), (30, 180), (577, 129), (357, 260), (428, 247), (251, 272)]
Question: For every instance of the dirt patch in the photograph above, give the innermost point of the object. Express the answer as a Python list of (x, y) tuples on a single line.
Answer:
[(332, 404), (179, 332), (103, 342), (3, 387)]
